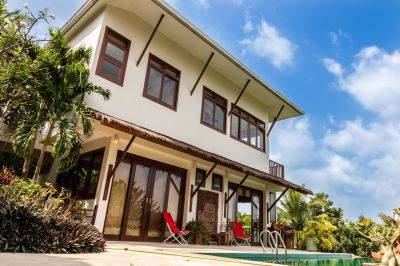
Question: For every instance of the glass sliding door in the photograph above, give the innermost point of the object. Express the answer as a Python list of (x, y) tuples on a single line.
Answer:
[(157, 203), (256, 211), (137, 201), (116, 203), (142, 189), (174, 195), (231, 208)]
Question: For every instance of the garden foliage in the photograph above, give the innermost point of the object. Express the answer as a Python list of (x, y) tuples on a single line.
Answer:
[(317, 218), (40, 219)]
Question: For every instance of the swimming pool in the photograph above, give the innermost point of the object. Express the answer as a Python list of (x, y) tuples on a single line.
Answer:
[(299, 259)]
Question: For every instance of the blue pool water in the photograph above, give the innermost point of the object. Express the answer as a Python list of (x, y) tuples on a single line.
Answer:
[(299, 259)]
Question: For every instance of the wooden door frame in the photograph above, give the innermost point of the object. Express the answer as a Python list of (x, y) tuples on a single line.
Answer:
[(153, 165), (232, 184)]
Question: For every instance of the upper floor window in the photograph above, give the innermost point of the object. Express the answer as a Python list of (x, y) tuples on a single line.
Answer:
[(213, 111), (247, 129), (113, 57), (162, 82)]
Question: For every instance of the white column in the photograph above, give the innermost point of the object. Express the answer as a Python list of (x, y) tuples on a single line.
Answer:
[(110, 157)]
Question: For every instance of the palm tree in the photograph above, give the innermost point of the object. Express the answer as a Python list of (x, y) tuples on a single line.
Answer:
[(18, 52), (294, 210), (63, 82)]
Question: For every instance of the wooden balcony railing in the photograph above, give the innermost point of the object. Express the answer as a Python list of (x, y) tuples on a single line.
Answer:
[(276, 169)]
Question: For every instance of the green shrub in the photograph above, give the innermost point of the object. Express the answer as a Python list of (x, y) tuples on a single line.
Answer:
[(322, 231), (41, 220), (351, 240)]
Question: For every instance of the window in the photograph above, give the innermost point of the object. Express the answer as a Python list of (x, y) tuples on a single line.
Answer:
[(113, 57), (217, 182), (247, 129), (213, 111), (162, 82), (82, 180), (200, 175)]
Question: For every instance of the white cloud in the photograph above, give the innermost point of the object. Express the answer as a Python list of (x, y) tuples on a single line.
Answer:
[(248, 26), (337, 36), (334, 37), (353, 137), (356, 162), (292, 142), (205, 4), (269, 43), (332, 66), (374, 81), (356, 165)]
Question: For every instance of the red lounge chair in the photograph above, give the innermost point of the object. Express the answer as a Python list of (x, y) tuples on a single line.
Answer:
[(239, 234), (176, 234)]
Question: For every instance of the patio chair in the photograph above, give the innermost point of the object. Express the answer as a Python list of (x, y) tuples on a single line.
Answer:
[(239, 234), (175, 233)]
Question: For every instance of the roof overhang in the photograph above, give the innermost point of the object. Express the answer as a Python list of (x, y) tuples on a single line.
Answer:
[(186, 148), (188, 36)]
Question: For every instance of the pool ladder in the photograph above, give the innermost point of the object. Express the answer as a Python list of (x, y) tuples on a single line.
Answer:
[(274, 241)]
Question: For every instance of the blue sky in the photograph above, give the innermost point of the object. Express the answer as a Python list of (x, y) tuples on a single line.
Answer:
[(340, 62)]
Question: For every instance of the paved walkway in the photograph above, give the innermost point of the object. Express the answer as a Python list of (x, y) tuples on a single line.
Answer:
[(136, 254)]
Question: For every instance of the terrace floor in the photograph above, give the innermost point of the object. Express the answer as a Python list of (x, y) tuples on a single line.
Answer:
[(138, 254)]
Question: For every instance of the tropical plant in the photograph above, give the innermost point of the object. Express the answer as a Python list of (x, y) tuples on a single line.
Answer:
[(321, 204), (198, 232), (244, 218), (350, 239), (387, 235), (41, 219), (19, 49), (321, 230), (64, 82), (42, 89), (293, 210)]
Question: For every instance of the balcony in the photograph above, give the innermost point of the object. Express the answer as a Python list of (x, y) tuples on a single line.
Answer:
[(276, 169)]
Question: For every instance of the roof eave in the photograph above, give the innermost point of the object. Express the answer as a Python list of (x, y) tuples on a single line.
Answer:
[(178, 145), (172, 12), (78, 15)]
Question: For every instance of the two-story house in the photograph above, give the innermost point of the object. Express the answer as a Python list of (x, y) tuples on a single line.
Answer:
[(186, 128)]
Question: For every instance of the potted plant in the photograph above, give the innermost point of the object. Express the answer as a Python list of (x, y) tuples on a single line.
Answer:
[(198, 233)]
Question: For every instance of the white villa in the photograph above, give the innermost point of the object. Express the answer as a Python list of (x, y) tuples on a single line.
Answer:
[(185, 131)]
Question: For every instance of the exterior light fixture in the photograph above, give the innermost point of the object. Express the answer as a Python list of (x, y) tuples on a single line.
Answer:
[(116, 139)]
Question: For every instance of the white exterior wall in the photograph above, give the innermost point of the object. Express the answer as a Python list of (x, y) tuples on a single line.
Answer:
[(127, 102), (162, 154)]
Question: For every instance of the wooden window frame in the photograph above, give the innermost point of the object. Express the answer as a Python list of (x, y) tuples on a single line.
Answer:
[(166, 70), (216, 99), (250, 119), (104, 57), (214, 177), (204, 172)]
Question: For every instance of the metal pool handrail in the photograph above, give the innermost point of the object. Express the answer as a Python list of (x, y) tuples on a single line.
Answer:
[(275, 243)]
